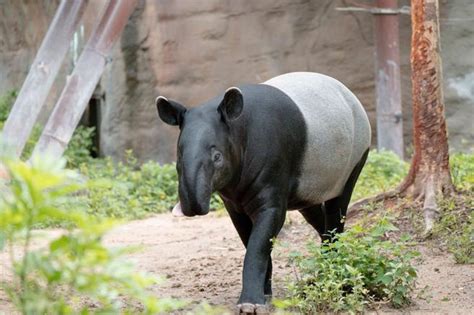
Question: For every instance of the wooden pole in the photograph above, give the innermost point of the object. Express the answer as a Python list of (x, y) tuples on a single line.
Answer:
[(82, 82), (387, 80), (41, 76)]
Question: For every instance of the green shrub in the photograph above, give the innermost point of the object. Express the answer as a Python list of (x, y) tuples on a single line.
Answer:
[(6, 103), (359, 268), (74, 273), (133, 191), (462, 170), (153, 188), (382, 172), (80, 147)]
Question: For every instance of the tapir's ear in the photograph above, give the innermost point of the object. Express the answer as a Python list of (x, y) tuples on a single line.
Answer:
[(232, 104), (169, 111)]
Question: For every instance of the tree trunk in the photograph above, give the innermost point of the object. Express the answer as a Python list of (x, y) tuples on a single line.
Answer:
[(429, 175)]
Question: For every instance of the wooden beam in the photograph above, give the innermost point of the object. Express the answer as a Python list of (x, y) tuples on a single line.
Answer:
[(41, 76), (387, 73), (82, 82), (387, 81)]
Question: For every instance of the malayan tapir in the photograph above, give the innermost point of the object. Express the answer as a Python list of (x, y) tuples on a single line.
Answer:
[(296, 141)]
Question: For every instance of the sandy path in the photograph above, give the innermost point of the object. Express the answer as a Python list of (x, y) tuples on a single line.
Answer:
[(201, 259)]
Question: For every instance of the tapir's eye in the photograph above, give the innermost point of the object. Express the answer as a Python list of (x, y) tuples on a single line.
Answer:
[(216, 157)]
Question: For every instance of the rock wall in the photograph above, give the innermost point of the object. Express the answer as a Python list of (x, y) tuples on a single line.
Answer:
[(22, 28), (457, 50), (190, 50)]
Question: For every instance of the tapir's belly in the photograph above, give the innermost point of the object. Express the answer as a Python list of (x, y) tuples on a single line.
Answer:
[(338, 132)]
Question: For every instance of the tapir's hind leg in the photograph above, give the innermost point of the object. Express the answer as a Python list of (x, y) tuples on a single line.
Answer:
[(316, 217), (336, 208), (328, 218)]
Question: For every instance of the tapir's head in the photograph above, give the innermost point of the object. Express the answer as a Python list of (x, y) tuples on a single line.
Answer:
[(207, 153)]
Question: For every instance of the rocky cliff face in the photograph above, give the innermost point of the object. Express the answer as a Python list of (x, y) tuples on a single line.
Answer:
[(22, 28), (191, 50), (457, 49)]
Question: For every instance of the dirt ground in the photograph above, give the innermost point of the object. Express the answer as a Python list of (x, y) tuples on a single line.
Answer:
[(201, 260)]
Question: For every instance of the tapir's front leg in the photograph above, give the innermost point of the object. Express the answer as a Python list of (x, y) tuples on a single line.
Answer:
[(243, 224), (267, 224)]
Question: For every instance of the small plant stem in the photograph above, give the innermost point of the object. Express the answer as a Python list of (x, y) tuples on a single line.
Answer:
[(11, 252), (24, 264)]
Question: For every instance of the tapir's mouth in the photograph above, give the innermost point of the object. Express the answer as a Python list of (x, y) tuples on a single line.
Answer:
[(178, 211), (191, 205), (194, 210)]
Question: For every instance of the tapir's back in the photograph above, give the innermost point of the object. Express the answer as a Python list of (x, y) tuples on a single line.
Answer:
[(338, 132)]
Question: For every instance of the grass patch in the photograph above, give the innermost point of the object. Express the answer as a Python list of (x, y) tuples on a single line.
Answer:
[(455, 229), (383, 171), (462, 171)]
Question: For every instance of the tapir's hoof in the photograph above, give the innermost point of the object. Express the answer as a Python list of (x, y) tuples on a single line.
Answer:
[(252, 309)]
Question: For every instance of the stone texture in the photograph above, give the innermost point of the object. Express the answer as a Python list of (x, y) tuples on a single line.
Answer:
[(457, 49), (22, 28)]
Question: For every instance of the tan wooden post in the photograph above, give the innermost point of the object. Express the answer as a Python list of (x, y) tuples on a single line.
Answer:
[(387, 80), (82, 82), (41, 76)]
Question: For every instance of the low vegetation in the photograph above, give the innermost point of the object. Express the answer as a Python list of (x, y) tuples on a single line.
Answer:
[(6, 103), (462, 171), (75, 273), (134, 191), (382, 172), (455, 229), (141, 190), (363, 266)]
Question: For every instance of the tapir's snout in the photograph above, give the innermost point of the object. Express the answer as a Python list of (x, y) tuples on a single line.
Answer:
[(194, 195), (190, 209)]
